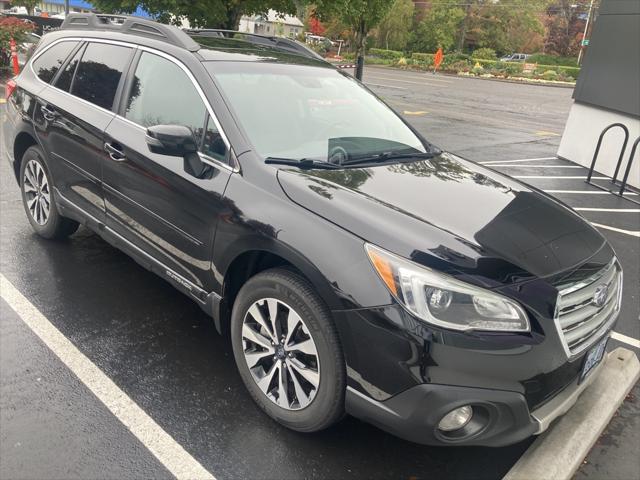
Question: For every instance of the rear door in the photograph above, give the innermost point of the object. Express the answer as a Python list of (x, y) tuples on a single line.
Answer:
[(161, 204), (72, 115)]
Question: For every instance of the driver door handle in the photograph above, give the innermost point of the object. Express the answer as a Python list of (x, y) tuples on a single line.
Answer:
[(114, 152)]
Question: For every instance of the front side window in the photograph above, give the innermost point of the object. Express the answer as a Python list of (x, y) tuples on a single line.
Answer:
[(47, 65), (162, 94), (98, 75), (298, 111)]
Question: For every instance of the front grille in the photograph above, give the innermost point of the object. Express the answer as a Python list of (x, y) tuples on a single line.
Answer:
[(580, 320)]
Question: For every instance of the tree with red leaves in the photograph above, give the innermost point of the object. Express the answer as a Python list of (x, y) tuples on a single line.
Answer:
[(11, 27), (315, 26)]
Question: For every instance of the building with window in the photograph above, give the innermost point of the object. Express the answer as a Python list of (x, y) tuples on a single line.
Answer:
[(273, 24), (608, 92)]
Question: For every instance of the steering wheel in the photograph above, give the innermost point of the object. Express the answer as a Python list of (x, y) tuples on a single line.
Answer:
[(337, 155)]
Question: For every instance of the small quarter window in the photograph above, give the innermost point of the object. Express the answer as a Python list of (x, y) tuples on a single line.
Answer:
[(213, 145), (47, 65), (99, 72)]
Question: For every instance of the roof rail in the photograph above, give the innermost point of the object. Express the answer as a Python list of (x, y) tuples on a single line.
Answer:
[(131, 25), (282, 43)]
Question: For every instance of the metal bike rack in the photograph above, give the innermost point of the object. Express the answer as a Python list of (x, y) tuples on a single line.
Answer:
[(628, 170), (614, 180)]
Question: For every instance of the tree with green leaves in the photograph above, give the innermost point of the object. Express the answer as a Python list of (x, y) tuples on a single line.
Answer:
[(395, 28), (30, 5), (360, 15), (439, 28), (224, 14), (506, 29)]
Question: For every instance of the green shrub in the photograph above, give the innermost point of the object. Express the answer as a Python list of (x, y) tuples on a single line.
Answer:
[(570, 72), (485, 63), (545, 59), (387, 54), (550, 75), (477, 70), (484, 53), (423, 57), (402, 61), (455, 57), (379, 61), (459, 66), (513, 68)]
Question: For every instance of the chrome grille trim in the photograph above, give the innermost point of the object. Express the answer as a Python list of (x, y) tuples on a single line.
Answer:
[(579, 321)]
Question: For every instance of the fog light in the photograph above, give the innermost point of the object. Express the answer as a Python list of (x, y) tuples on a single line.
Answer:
[(456, 419)]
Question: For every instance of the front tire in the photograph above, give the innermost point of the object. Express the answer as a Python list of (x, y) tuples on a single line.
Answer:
[(38, 198), (287, 351)]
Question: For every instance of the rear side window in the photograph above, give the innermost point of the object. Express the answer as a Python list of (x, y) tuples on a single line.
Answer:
[(98, 75), (47, 65), (162, 94)]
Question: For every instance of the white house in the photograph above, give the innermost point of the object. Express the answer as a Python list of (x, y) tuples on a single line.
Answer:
[(274, 23)]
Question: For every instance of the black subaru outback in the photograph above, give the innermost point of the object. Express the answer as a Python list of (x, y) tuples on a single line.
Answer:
[(354, 266)]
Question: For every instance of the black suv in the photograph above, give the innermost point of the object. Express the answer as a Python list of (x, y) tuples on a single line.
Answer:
[(354, 266)]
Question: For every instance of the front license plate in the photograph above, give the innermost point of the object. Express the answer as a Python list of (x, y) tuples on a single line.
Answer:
[(593, 357)]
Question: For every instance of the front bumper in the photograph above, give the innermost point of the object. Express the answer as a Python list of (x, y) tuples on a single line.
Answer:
[(501, 417)]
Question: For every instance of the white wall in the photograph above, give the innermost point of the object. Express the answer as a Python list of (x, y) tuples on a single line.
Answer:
[(581, 136)]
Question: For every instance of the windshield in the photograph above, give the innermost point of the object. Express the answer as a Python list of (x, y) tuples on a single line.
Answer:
[(296, 112)]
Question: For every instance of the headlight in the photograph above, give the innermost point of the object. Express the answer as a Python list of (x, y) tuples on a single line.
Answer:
[(441, 300)]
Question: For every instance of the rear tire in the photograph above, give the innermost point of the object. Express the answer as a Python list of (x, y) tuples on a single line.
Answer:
[(38, 199), (299, 378)]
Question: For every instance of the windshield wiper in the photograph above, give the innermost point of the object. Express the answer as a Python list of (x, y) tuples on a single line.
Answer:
[(305, 163), (386, 156)]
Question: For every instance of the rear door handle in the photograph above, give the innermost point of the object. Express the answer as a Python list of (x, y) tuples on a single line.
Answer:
[(115, 153), (47, 113)]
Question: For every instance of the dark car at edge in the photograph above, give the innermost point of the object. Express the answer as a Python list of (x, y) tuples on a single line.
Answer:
[(354, 267)]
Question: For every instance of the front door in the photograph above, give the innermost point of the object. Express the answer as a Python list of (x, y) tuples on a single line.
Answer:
[(163, 204)]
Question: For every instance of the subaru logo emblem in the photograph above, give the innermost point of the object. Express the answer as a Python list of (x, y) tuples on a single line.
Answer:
[(600, 295)]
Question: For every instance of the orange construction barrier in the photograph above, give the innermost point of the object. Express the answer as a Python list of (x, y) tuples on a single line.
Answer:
[(14, 57)]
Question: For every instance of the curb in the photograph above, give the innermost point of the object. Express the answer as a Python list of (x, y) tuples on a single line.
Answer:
[(558, 453), (493, 79)]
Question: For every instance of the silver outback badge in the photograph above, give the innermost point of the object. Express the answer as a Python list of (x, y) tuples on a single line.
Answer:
[(600, 295)]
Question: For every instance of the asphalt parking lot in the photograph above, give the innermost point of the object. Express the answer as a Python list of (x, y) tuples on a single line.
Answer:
[(160, 351)]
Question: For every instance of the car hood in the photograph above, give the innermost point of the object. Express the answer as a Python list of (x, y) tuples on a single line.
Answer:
[(450, 214)]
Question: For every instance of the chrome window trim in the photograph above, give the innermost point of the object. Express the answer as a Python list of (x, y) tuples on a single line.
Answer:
[(208, 160)]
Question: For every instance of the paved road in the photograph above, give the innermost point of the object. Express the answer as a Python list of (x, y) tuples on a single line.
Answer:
[(163, 353)]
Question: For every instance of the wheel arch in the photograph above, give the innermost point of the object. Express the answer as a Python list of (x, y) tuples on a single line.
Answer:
[(22, 142), (251, 257)]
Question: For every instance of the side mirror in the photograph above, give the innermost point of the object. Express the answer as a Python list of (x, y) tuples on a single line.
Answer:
[(175, 140)]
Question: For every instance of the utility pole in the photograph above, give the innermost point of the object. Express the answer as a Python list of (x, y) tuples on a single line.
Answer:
[(66, 7), (584, 35)]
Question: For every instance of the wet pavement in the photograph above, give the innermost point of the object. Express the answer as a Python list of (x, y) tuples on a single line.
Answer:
[(163, 352)]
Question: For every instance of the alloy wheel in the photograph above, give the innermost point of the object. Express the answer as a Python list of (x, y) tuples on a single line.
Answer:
[(36, 191), (281, 354)]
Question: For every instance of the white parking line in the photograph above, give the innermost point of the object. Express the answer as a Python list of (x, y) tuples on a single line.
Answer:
[(492, 162), (624, 339), (530, 166), (171, 454), (386, 86), (550, 177), (586, 192), (614, 210), (619, 230)]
